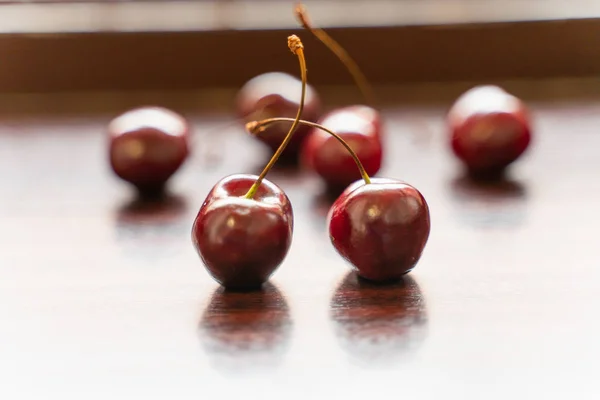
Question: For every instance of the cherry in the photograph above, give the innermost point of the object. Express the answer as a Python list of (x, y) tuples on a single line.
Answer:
[(147, 146), (243, 229), (276, 94), (359, 127), (242, 241), (380, 227), (489, 129)]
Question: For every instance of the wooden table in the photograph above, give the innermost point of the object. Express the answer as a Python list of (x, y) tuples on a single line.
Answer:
[(104, 298)]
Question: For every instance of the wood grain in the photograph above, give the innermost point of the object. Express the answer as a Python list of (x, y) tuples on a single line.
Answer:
[(103, 297)]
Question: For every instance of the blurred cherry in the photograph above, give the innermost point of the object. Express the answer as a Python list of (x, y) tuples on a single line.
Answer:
[(277, 94), (147, 146), (359, 126), (489, 129)]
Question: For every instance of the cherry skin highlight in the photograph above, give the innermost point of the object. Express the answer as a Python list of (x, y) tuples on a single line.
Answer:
[(147, 146), (277, 94), (489, 129), (243, 241), (381, 228), (360, 127)]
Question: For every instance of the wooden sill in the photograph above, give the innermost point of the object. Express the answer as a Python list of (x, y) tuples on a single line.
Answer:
[(106, 46)]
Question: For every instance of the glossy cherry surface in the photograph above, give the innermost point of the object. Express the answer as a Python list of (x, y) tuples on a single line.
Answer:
[(360, 127), (277, 94), (489, 129), (381, 228), (147, 146), (243, 241)]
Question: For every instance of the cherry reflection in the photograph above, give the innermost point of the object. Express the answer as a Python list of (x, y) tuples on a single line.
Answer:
[(246, 331), (163, 209), (379, 323), (152, 229), (489, 204)]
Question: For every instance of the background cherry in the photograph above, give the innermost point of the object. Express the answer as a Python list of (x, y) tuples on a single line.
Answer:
[(359, 127), (277, 94), (489, 129), (242, 241), (147, 146), (381, 228)]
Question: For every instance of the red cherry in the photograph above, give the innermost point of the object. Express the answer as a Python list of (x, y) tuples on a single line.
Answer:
[(147, 146), (489, 129), (360, 127), (242, 241), (243, 229), (277, 94), (381, 228)]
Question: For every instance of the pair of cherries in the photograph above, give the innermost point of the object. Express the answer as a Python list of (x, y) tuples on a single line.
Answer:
[(244, 228)]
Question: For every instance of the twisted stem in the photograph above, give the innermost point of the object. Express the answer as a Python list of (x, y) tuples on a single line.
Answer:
[(256, 127)]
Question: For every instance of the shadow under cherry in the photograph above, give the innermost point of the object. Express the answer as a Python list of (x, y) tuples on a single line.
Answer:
[(379, 324), (246, 331), (151, 230), (160, 209), (499, 203)]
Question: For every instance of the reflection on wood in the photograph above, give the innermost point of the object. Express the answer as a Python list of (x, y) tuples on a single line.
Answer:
[(379, 323), (245, 331), (493, 205), (151, 224)]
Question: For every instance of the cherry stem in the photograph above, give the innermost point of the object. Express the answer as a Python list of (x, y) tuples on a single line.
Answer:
[(358, 76), (256, 127), (296, 47)]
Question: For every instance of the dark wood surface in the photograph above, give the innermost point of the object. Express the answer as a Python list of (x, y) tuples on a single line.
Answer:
[(103, 297)]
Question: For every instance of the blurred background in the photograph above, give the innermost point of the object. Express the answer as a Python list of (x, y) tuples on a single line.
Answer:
[(54, 46)]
